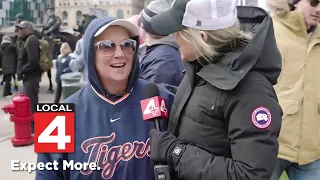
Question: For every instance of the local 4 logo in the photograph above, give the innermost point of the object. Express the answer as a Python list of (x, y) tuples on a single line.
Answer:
[(54, 128), (154, 107)]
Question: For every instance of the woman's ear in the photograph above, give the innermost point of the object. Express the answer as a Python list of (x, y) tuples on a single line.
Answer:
[(204, 35)]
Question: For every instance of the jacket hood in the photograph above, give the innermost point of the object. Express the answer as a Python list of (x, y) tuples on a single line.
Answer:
[(89, 57), (261, 54), (279, 6)]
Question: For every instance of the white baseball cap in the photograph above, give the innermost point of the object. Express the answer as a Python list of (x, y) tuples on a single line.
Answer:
[(196, 14), (131, 28)]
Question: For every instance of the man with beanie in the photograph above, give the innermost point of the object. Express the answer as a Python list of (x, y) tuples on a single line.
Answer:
[(297, 31), (161, 62)]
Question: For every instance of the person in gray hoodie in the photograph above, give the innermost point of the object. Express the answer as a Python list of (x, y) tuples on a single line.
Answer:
[(77, 63), (161, 63)]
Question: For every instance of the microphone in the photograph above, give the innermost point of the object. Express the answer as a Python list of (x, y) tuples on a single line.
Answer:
[(153, 106)]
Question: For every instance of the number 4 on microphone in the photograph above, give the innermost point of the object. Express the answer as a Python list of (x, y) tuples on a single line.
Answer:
[(154, 107)]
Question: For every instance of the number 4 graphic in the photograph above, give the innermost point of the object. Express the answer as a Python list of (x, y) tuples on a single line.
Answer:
[(163, 107), (151, 108), (61, 139)]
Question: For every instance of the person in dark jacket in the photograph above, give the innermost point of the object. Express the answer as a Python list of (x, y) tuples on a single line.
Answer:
[(52, 26), (62, 66), (28, 66), (80, 27), (161, 62), (19, 18), (225, 119), (9, 63)]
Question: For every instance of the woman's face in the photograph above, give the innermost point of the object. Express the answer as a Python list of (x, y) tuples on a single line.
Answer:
[(186, 50), (114, 54), (64, 50)]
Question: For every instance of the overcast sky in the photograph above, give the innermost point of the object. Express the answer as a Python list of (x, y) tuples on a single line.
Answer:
[(263, 3)]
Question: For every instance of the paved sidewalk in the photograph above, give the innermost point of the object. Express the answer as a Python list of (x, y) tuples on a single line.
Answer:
[(7, 151)]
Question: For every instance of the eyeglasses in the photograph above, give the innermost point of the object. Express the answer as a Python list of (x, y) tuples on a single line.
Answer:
[(314, 3), (108, 48)]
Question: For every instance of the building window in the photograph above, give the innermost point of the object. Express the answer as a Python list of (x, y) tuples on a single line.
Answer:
[(105, 13), (120, 13), (64, 18), (79, 17), (251, 2)]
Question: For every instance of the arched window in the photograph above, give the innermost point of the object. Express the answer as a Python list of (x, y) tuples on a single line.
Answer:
[(79, 17), (105, 13), (120, 13), (64, 18)]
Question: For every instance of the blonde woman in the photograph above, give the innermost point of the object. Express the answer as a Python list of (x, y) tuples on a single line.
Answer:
[(225, 119), (62, 65)]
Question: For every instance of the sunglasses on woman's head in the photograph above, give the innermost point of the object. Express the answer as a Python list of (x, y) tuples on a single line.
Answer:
[(108, 48)]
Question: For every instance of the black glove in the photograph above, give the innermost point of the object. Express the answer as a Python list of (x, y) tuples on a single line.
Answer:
[(162, 145)]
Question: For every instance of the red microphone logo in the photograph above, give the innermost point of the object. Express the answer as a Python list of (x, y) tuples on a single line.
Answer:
[(154, 107)]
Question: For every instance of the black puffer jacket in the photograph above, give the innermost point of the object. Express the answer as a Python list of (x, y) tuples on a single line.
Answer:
[(8, 52), (227, 113)]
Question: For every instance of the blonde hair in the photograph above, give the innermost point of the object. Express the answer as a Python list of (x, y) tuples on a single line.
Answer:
[(218, 42), (65, 48), (279, 7)]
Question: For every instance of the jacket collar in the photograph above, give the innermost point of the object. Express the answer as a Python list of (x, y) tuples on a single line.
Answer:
[(25, 37), (314, 39), (295, 21), (316, 34), (222, 75)]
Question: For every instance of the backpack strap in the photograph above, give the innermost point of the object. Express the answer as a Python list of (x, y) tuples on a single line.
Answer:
[(25, 44)]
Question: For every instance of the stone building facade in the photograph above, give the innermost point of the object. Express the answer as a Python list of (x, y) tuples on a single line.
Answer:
[(248, 2), (71, 11)]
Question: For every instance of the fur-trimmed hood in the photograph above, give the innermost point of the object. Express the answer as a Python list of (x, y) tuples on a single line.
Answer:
[(279, 6)]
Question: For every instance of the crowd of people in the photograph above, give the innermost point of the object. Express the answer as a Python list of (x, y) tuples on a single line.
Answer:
[(28, 54), (240, 86), (24, 57)]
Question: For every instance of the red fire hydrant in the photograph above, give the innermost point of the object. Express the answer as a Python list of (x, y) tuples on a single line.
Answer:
[(21, 116)]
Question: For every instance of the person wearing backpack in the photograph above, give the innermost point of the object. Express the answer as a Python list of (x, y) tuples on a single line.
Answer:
[(46, 56), (62, 66), (28, 66)]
